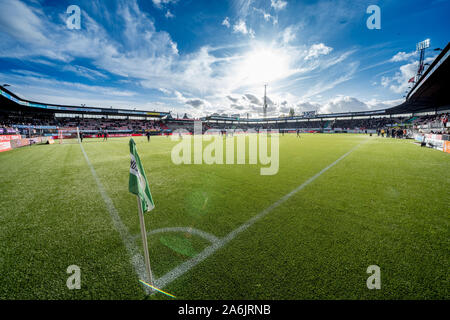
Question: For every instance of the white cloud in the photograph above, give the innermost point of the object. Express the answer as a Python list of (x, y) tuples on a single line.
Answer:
[(289, 34), (195, 103), (139, 38), (375, 104), (318, 49), (281, 105), (267, 16), (28, 73), (252, 98), (241, 7), (159, 3), (69, 90), (402, 56), (232, 99), (241, 27), (278, 4), (164, 90), (226, 22), (303, 106), (343, 104), (346, 104), (169, 15), (341, 74), (22, 22), (399, 82), (84, 72)]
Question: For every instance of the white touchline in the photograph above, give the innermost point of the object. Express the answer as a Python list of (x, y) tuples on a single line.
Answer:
[(128, 240), (186, 266)]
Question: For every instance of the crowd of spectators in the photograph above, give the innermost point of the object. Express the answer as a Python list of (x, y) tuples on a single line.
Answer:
[(395, 133), (110, 125), (11, 121), (9, 124), (6, 129), (372, 123), (437, 124)]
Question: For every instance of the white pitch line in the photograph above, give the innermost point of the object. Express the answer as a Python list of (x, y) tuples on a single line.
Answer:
[(186, 266), (128, 240), (205, 235)]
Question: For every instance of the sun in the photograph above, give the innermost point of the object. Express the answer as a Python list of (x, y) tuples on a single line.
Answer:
[(263, 65)]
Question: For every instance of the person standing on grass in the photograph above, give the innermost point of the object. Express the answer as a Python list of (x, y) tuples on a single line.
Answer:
[(148, 136), (81, 137)]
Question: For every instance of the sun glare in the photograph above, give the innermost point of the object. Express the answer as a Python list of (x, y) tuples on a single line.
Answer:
[(262, 65)]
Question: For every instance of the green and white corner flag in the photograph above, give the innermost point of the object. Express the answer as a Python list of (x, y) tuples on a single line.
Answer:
[(138, 181)]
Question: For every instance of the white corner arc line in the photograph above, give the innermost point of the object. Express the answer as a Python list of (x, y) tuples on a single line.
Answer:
[(133, 251), (189, 264)]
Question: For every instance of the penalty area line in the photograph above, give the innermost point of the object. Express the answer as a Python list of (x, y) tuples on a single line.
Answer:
[(189, 264)]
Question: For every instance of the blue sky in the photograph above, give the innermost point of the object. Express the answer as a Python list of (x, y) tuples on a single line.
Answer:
[(202, 57)]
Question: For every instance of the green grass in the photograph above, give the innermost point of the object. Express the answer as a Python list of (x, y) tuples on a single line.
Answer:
[(385, 204)]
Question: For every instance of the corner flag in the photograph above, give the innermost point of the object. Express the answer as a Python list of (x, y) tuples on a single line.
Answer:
[(138, 183)]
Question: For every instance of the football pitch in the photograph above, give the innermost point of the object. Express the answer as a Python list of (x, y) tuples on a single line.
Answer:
[(338, 204)]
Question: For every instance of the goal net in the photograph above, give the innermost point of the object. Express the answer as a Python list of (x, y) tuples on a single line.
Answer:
[(69, 135)]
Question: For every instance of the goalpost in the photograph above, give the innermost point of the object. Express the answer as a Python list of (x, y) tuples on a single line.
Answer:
[(69, 135)]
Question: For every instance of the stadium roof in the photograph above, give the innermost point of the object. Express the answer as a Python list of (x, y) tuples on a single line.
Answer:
[(9, 98), (431, 91)]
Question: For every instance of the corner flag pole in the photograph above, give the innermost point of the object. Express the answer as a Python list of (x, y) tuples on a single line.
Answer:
[(138, 185), (144, 241)]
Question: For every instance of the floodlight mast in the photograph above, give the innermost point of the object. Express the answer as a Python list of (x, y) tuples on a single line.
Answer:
[(421, 47), (265, 101)]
